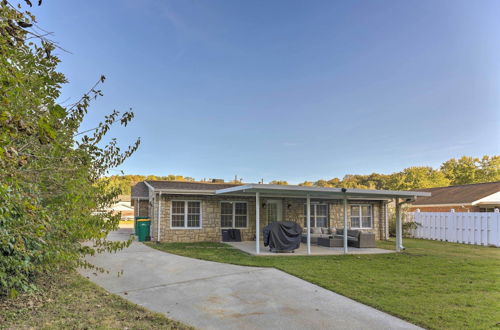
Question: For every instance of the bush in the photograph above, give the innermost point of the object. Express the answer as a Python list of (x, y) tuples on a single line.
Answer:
[(50, 173)]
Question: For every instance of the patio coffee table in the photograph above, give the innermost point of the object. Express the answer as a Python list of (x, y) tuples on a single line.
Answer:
[(331, 241)]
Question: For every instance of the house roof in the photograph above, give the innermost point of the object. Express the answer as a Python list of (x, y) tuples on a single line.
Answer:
[(318, 192), (462, 194), (139, 190), (188, 185)]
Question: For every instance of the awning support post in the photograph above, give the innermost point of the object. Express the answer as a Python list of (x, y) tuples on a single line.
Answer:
[(399, 227), (257, 222), (159, 218), (308, 219), (345, 225)]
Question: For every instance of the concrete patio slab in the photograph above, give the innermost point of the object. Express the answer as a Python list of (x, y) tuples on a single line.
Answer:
[(211, 295), (316, 250)]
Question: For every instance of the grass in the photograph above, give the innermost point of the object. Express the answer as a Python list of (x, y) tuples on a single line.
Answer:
[(70, 301), (433, 284)]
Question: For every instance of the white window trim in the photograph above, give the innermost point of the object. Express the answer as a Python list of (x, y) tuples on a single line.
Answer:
[(234, 214), (360, 217), (186, 214), (314, 212)]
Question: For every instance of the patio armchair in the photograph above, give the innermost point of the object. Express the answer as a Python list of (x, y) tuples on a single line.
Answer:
[(357, 238)]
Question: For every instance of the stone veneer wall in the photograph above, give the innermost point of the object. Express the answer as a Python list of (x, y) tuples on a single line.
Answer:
[(211, 230), (141, 208), (294, 211)]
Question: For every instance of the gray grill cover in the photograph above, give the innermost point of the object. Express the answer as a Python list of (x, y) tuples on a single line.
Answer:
[(282, 236)]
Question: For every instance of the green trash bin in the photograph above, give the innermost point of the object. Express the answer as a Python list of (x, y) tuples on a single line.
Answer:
[(143, 226), (136, 231)]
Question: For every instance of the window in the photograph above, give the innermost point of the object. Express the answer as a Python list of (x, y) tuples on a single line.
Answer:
[(186, 214), (487, 209), (319, 215), (233, 214), (361, 216)]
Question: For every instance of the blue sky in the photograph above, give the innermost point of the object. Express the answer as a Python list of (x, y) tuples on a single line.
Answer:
[(290, 90)]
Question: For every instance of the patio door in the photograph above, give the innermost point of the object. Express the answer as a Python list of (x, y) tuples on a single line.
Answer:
[(274, 210)]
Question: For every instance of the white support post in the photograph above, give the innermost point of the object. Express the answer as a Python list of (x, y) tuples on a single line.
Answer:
[(308, 219), (399, 227), (345, 225), (257, 222), (159, 217)]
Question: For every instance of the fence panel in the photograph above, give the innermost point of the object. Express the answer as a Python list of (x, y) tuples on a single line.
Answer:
[(479, 228)]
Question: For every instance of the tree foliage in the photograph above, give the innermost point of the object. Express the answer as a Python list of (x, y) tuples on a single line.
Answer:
[(124, 182), (279, 182), (465, 170), (51, 193)]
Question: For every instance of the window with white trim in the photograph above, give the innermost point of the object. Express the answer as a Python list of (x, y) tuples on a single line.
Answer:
[(361, 216), (233, 214), (186, 214), (319, 215)]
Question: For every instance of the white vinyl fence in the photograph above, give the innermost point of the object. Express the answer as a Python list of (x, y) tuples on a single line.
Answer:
[(479, 228)]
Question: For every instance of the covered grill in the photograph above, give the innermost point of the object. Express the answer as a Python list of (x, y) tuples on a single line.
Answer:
[(282, 236)]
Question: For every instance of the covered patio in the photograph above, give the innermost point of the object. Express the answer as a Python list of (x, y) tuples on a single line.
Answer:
[(316, 250), (346, 195)]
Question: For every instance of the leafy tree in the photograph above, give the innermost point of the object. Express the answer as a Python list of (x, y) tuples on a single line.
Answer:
[(417, 177), (281, 182), (472, 170), (306, 184), (124, 182), (461, 171), (465, 170), (51, 194), (489, 169)]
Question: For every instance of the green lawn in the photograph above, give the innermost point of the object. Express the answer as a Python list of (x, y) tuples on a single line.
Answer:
[(432, 284), (69, 301)]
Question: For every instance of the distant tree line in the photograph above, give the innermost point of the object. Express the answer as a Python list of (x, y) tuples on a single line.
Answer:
[(124, 182), (464, 170)]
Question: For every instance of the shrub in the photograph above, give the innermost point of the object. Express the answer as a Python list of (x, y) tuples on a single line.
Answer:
[(50, 184)]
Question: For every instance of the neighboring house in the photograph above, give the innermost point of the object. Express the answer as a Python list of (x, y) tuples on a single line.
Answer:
[(193, 211), (479, 197), (124, 207)]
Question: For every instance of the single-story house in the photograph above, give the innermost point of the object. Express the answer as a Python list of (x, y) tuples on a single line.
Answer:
[(478, 197), (194, 212), (124, 207)]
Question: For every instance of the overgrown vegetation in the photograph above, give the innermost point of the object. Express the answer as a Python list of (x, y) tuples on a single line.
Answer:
[(50, 187), (69, 301), (434, 284)]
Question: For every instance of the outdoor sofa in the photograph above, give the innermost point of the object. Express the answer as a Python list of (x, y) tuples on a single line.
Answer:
[(355, 238), (317, 232)]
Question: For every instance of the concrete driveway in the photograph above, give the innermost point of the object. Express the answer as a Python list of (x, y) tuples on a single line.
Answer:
[(210, 295)]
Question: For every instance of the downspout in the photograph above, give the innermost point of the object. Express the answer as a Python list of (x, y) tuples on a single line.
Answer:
[(386, 220), (159, 216)]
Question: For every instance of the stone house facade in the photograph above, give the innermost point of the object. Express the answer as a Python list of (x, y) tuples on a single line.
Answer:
[(191, 212)]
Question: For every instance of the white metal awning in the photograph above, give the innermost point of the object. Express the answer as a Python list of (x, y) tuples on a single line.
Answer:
[(275, 190)]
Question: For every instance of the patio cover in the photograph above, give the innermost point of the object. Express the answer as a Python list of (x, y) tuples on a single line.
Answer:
[(291, 191)]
